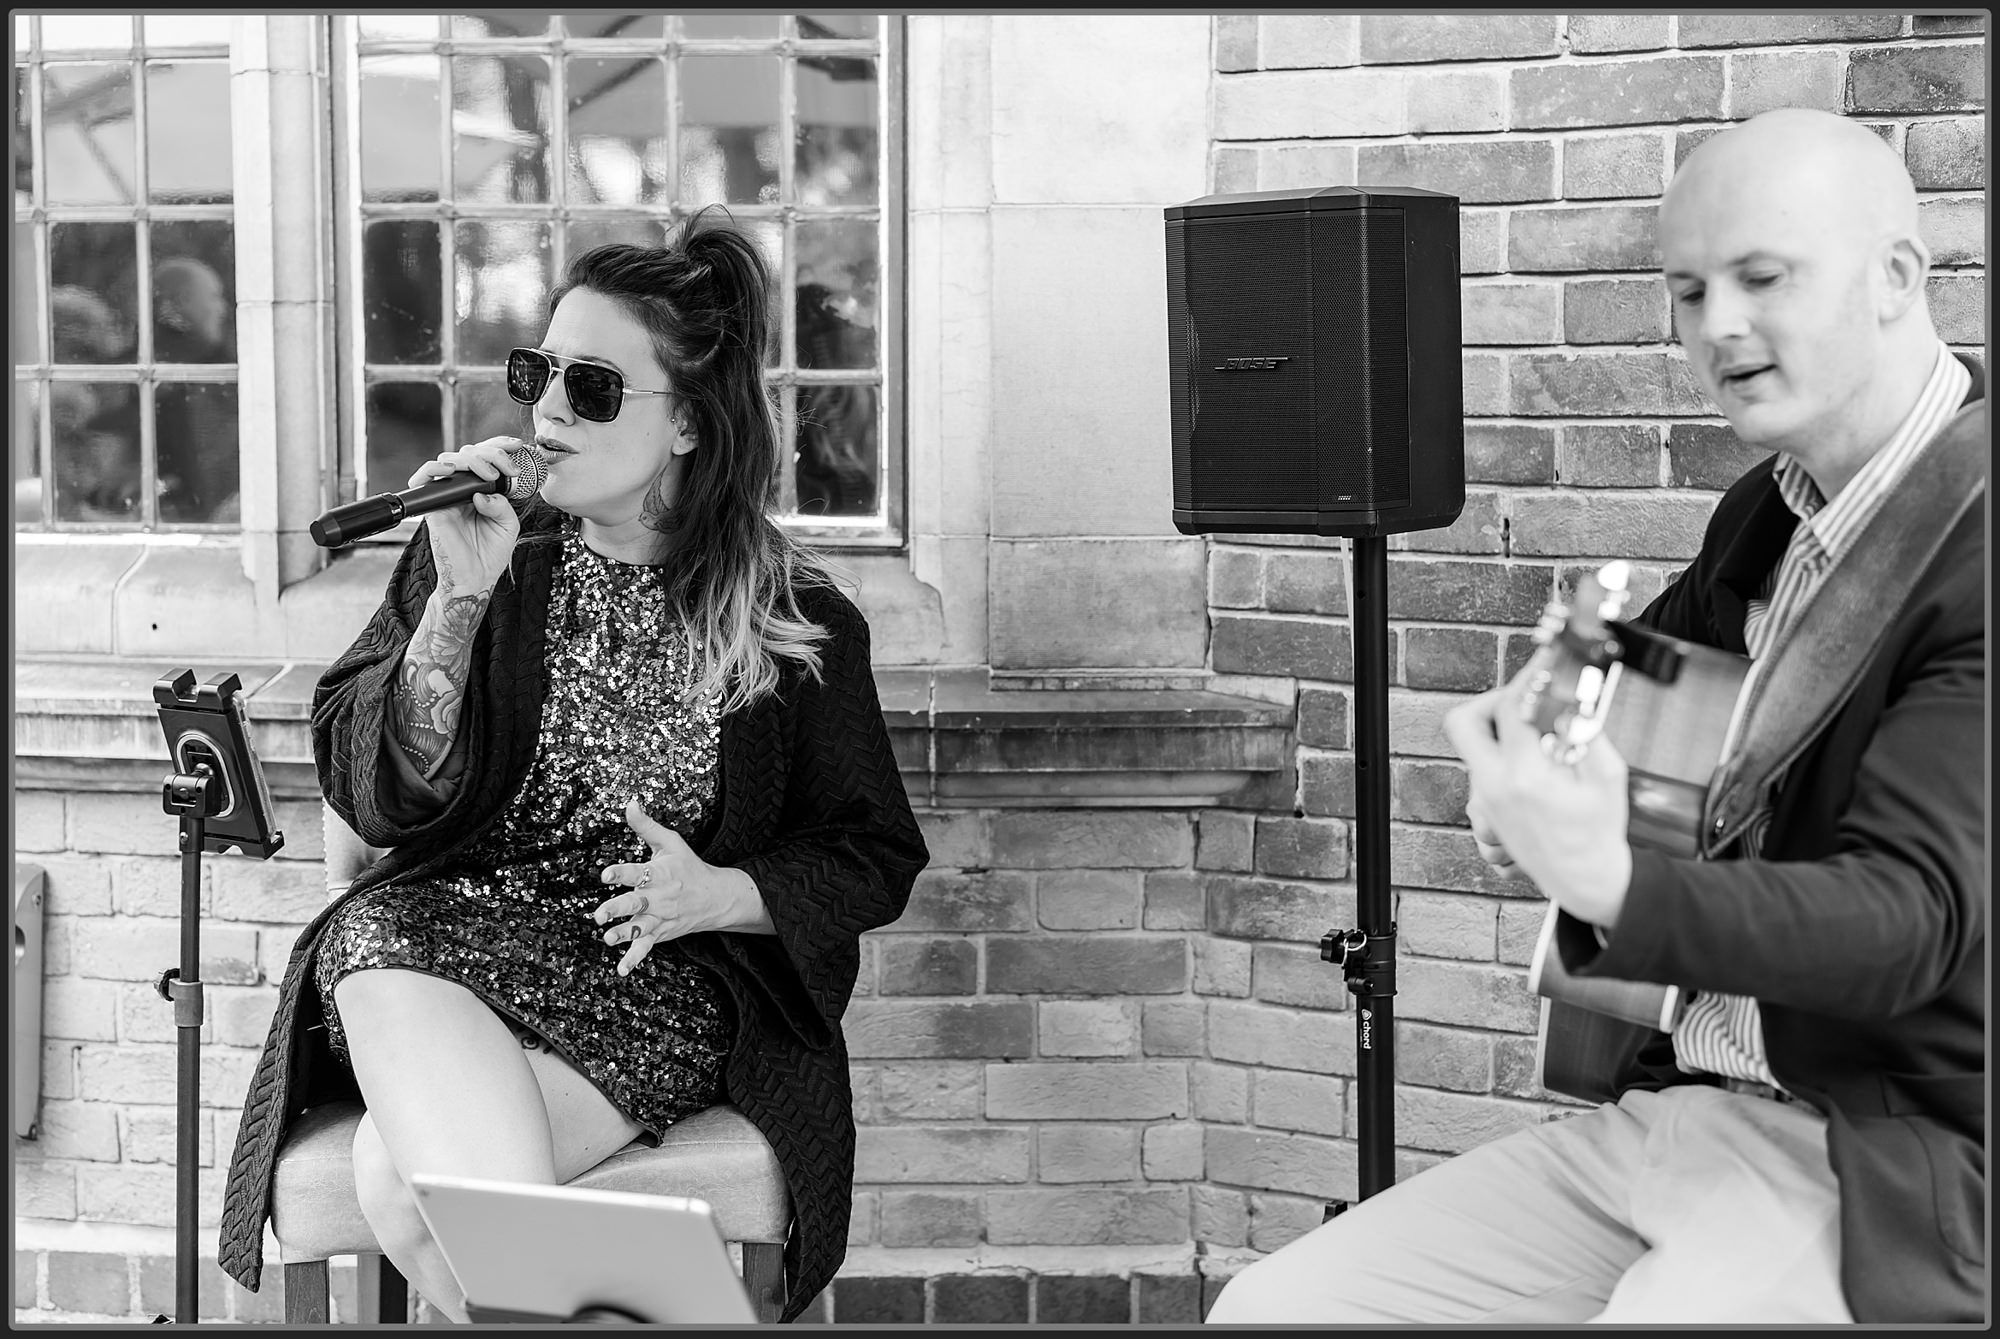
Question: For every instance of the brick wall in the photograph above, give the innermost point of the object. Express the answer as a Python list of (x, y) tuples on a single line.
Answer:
[(103, 1157), (1587, 438)]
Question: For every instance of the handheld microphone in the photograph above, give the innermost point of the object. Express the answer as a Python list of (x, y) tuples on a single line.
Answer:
[(372, 515)]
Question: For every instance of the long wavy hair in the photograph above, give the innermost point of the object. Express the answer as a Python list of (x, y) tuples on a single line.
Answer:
[(733, 573)]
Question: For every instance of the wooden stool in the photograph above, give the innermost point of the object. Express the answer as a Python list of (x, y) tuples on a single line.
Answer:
[(717, 1156)]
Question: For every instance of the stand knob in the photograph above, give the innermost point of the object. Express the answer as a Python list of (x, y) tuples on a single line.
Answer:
[(1339, 947)]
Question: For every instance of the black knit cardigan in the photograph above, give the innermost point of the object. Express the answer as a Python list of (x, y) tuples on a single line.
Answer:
[(811, 806)]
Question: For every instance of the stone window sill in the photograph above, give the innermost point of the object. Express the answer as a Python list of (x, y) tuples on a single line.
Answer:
[(89, 722)]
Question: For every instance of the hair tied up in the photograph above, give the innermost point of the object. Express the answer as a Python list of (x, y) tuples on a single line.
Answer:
[(699, 252)]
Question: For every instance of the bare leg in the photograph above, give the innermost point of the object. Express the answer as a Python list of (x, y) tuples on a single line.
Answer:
[(450, 1090), (391, 1211)]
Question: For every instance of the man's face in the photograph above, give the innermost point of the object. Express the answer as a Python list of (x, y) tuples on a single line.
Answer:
[(1774, 304)]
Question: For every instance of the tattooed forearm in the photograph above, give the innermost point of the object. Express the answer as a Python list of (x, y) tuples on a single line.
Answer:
[(430, 691)]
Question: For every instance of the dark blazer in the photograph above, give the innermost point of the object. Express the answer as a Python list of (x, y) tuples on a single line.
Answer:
[(1862, 930), (811, 806)]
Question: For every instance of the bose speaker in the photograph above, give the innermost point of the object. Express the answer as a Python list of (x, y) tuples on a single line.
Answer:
[(1314, 340)]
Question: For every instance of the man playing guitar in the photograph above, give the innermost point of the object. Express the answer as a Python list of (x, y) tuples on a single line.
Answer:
[(1807, 1143)]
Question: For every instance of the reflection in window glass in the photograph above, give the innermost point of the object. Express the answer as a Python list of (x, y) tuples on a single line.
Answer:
[(194, 292), (586, 233), (27, 452), (405, 420), (187, 135), (503, 23), (402, 292), (813, 27), (618, 149), (729, 130), (712, 26), (486, 410), (838, 146), (195, 426), (398, 27), (621, 26), (836, 455), (500, 128), (186, 30), (94, 436), (26, 299), (138, 237), (838, 293), (85, 32), (502, 285), (24, 140), (87, 133), (579, 130), (93, 292), (769, 235), (400, 96)]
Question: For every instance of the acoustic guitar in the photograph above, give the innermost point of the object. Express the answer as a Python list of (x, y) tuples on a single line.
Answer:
[(1668, 706)]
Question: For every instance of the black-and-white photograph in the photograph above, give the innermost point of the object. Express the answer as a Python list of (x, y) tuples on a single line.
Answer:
[(1181, 670)]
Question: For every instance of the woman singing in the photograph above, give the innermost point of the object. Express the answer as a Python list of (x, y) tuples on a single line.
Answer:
[(624, 747)]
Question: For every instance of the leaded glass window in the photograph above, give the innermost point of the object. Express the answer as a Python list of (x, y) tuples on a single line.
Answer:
[(124, 294), (482, 151)]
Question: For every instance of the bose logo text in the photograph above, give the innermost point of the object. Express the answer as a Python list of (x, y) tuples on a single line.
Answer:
[(1250, 364)]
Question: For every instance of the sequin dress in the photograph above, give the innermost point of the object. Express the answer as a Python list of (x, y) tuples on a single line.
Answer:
[(513, 922)]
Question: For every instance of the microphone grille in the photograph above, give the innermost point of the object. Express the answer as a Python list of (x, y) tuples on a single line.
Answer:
[(534, 466)]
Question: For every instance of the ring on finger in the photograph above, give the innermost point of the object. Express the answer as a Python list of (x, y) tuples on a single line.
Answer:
[(645, 877)]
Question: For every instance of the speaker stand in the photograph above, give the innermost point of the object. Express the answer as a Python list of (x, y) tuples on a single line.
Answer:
[(1367, 954)]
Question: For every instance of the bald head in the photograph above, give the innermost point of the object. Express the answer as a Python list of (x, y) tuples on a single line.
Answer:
[(1790, 249), (1813, 169)]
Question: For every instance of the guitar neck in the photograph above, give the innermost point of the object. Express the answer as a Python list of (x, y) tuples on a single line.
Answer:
[(1668, 707)]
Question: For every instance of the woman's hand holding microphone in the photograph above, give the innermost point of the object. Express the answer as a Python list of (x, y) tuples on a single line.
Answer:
[(472, 542)]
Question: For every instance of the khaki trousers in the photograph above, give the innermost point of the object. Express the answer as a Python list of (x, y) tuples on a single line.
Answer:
[(1693, 1205)]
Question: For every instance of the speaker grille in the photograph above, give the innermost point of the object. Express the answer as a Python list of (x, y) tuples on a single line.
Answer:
[(1180, 349), (1363, 411), (1248, 299), (1316, 362)]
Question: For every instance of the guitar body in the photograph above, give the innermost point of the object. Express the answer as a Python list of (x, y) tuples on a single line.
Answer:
[(1580, 1052), (1672, 738), (1672, 733)]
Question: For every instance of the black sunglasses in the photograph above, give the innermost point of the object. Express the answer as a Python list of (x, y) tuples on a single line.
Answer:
[(595, 392)]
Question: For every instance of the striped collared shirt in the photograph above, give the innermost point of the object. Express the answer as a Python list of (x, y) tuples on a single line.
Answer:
[(1723, 1034)]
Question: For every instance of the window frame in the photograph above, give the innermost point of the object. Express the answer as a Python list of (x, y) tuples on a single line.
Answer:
[(351, 216), (38, 370)]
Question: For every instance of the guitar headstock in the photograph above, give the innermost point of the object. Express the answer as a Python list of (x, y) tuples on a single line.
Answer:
[(1575, 662)]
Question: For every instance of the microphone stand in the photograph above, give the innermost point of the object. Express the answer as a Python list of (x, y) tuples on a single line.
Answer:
[(1367, 955), (189, 795)]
